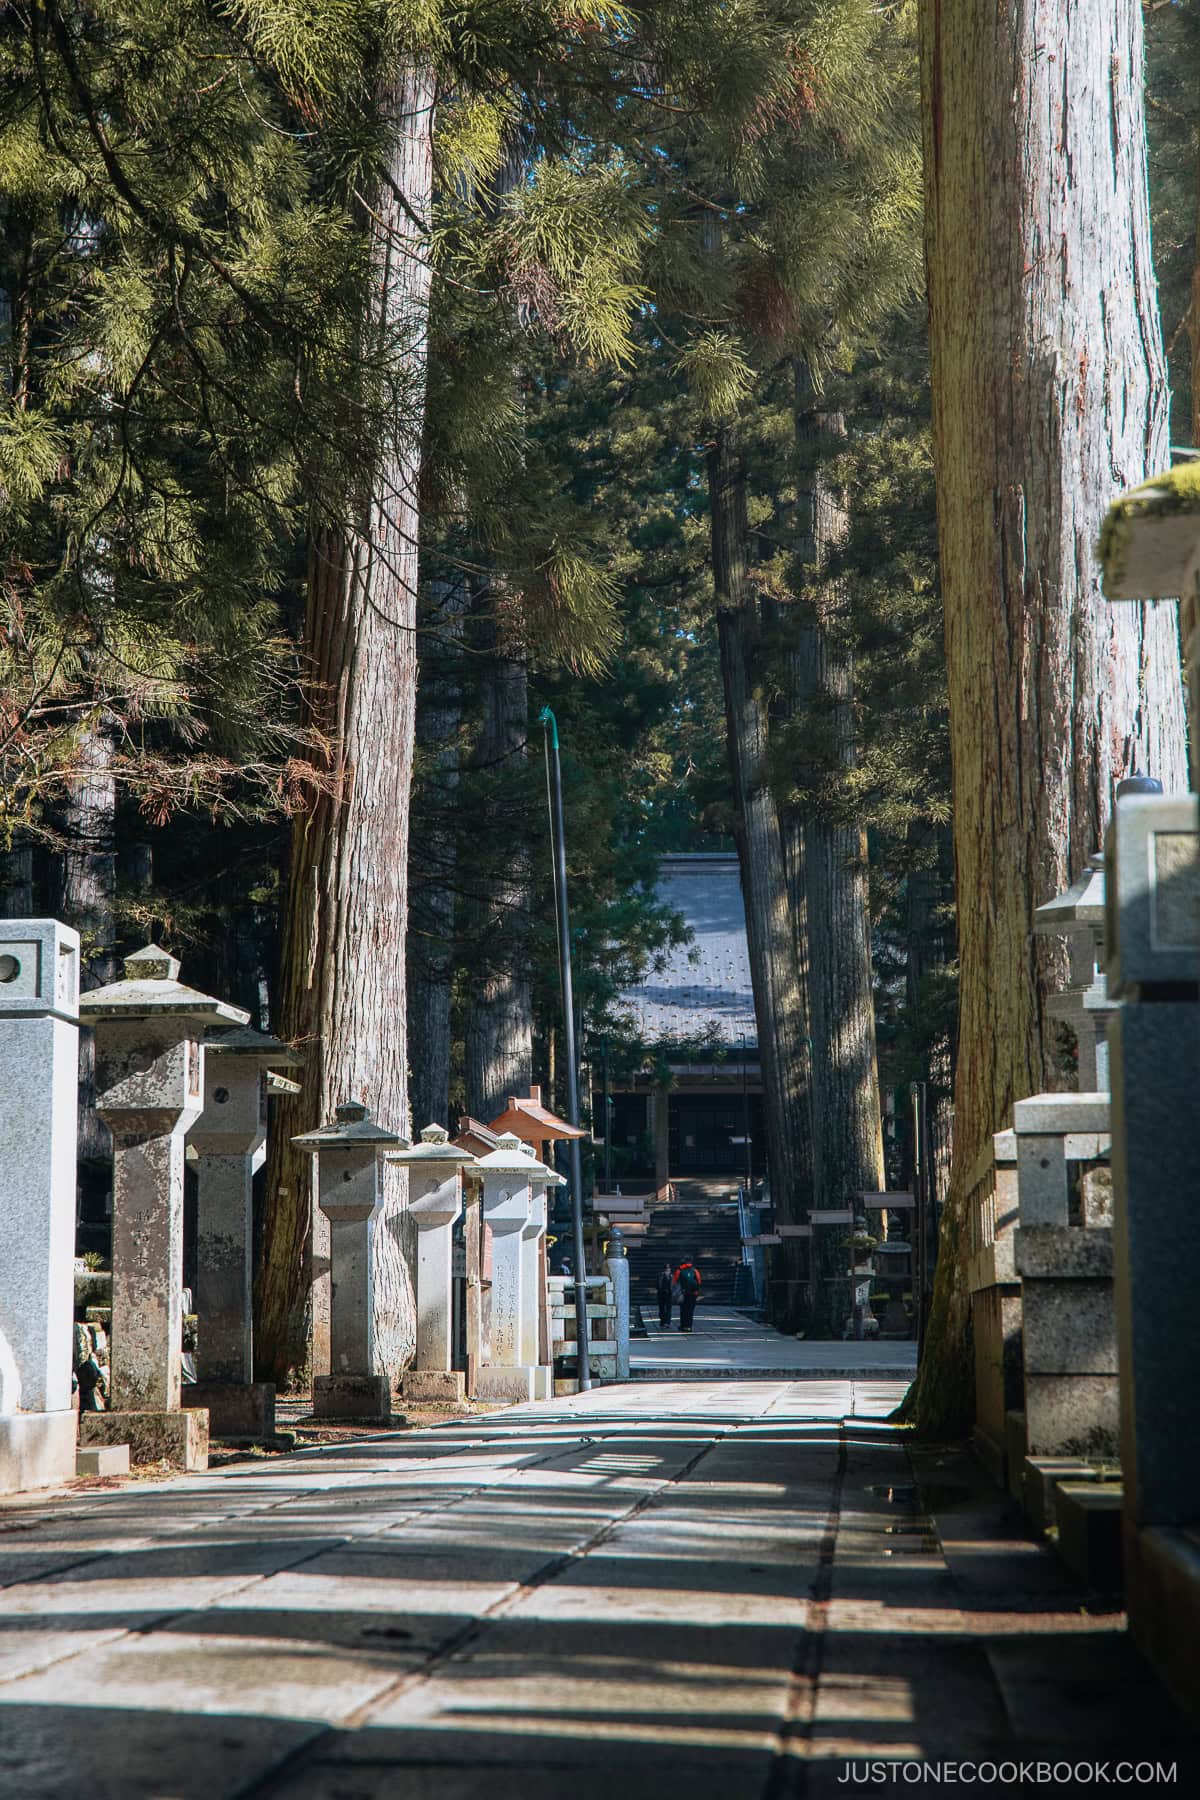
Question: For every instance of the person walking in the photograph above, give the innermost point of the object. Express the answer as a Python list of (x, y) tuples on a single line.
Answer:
[(666, 1293), (687, 1280)]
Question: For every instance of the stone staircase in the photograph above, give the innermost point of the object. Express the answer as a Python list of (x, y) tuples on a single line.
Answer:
[(701, 1223)]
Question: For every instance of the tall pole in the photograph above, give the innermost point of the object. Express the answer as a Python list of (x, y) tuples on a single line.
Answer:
[(558, 834), (607, 1125)]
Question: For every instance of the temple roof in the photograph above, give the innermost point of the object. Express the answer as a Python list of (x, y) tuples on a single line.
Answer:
[(704, 985)]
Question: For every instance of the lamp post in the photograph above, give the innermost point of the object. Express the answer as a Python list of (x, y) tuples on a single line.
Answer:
[(558, 831)]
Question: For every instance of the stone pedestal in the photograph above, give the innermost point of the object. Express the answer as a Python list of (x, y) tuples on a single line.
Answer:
[(435, 1182), (995, 1298), (617, 1270), (149, 1084), (39, 1064), (350, 1193), (229, 1140), (507, 1174), (1063, 1254)]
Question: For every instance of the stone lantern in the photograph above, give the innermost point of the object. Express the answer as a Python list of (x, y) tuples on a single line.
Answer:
[(535, 1334), (39, 1080), (435, 1183), (229, 1140), (149, 1032), (349, 1157), (507, 1174), (1084, 1005)]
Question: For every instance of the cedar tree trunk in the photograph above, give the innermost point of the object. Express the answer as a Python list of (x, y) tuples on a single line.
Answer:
[(342, 986), (780, 1000), (1049, 396)]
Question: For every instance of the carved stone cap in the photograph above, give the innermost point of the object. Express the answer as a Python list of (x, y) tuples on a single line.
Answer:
[(510, 1157), (434, 1149), (270, 1051), (352, 1127), (150, 988)]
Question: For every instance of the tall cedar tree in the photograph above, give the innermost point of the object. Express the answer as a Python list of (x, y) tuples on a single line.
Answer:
[(1049, 394)]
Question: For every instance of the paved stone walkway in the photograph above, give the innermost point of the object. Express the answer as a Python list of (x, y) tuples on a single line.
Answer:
[(711, 1590), (725, 1342)]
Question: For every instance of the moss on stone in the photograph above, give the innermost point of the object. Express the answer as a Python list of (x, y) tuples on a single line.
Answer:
[(1176, 490)]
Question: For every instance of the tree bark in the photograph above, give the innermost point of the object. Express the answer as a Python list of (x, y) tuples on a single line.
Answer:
[(87, 900), (1049, 395), (499, 1024), (848, 1128), (432, 865), (780, 1000), (343, 965)]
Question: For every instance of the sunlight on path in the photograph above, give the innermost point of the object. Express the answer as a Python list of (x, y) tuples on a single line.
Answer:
[(715, 1587)]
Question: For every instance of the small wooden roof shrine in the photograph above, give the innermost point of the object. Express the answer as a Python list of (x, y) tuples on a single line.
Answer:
[(528, 1119)]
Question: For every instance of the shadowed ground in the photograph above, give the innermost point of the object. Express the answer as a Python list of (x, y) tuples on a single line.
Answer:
[(718, 1588)]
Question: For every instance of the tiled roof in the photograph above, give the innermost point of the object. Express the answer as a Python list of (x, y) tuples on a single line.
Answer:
[(705, 983)]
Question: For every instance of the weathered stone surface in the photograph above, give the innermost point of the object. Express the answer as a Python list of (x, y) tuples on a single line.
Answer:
[(1057, 1253), (236, 1409), (1162, 1585), (179, 1438), (1155, 1053), (511, 1383), (1072, 1415), (439, 1385), (1069, 1328), (39, 973), (1152, 892), (352, 1396), (1088, 1516), (37, 1449), (1040, 1477), (102, 1459)]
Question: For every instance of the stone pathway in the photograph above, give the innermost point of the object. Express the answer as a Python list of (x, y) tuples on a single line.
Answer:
[(725, 1342), (716, 1589)]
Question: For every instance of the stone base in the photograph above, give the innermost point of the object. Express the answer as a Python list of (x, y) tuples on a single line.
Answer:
[(103, 1459), (353, 1397), (179, 1438), (236, 1409), (1041, 1475), (1088, 1515), (1014, 1453), (36, 1450), (1162, 1593), (513, 1383), (1073, 1415), (447, 1387), (543, 1381)]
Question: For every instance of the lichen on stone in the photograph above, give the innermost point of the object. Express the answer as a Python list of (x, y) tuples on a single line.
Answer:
[(1176, 490)]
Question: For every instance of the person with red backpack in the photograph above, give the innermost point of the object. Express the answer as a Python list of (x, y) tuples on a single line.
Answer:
[(687, 1280)]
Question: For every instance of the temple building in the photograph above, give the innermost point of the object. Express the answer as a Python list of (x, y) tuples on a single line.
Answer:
[(699, 1006)]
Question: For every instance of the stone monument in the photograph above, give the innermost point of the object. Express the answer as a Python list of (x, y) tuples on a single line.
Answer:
[(149, 1086), (507, 1174), (435, 1201), (349, 1187), (39, 1075), (229, 1140)]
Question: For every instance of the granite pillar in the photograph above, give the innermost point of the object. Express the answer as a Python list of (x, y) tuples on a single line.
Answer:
[(507, 1173), (349, 1157), (435, 1199), (229, 1140), (39, 1064), (149, 1082)]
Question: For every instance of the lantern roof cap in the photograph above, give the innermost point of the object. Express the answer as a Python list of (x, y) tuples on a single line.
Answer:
[(434, 1150), (151, 987), (353, 1126), (1080, 904)]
